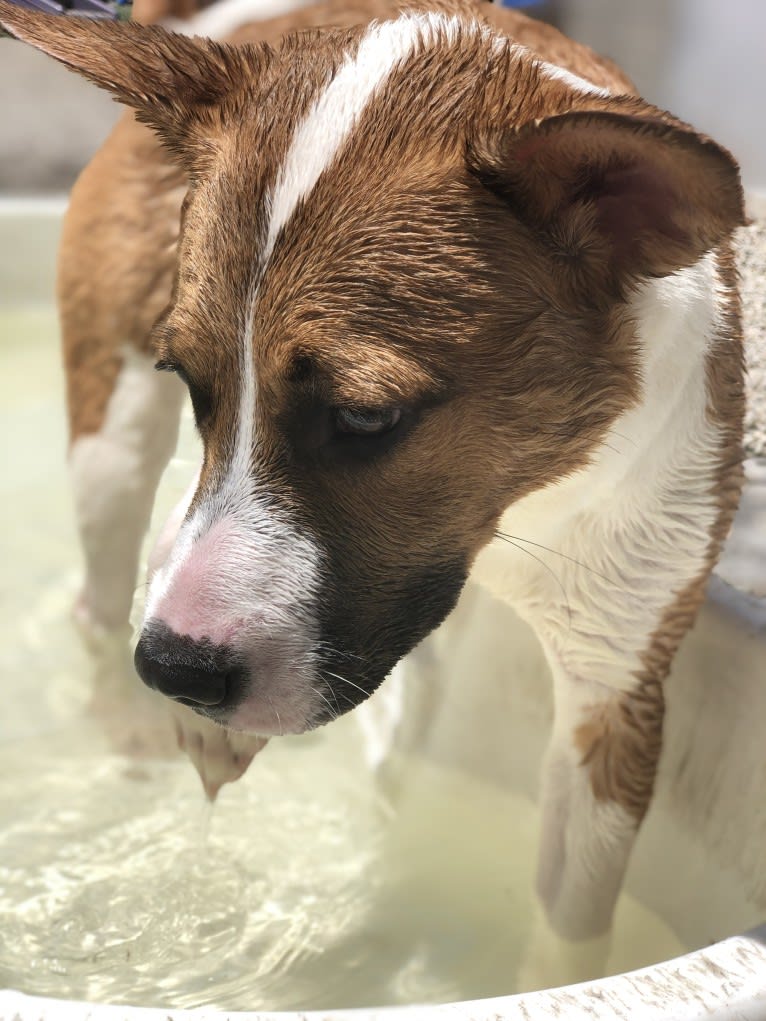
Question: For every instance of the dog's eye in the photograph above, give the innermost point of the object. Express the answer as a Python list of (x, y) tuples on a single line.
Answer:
[(165, 365), (168, 365), (366, 421), (201, 401)]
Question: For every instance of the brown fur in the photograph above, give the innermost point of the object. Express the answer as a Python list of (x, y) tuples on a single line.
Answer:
[(620, 745), (149, 12), (119, 239)]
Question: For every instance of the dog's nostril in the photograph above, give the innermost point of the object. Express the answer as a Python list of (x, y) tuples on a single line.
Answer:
[(180, 668)]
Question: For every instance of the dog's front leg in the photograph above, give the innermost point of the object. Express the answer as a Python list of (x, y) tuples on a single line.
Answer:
[(597, 783), (115, 273), (115, 470), (610, 616)]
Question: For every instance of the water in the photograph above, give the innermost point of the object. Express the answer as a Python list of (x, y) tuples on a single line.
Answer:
[(307, 887), (311, 883)]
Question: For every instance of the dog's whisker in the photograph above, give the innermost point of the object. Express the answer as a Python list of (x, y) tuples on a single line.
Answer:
[(333, 714), (609, 446), (548, 568), (557, 553), (627, 439), (345, 680), (326, 647), (276, 713), (337, 703), (565, 433)]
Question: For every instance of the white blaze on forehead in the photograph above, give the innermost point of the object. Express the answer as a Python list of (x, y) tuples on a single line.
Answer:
[(334, 113), (332, 117)]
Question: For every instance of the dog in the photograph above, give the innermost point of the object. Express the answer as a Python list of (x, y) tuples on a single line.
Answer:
[(440, 275)]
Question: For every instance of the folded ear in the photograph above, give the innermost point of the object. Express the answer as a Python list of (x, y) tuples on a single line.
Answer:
[(167, 78), (630, 195)]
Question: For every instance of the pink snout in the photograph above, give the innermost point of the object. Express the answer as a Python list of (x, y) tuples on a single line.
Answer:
[(225, 632)]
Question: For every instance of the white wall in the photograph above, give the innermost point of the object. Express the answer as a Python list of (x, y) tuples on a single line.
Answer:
[(705, 60)]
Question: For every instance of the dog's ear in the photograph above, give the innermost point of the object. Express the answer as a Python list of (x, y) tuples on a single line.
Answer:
[(170, 80), (629, 195)]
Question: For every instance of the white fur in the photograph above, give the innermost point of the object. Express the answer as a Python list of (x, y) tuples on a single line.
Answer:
[(240, 574), (328, 124), (115, 473), (584, 842), (163, 544), (622, 535)]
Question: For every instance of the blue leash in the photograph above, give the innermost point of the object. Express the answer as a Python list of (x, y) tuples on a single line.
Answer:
[(103, 10), (119, 10)]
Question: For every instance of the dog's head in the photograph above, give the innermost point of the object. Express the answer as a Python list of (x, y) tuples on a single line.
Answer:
[(399, 307)]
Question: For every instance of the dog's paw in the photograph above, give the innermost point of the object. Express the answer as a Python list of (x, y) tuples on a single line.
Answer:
[(137, 724), (101, 642), (220, 756), (550, 961), (135, 720)]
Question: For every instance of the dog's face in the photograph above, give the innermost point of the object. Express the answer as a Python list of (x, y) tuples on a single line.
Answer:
[(399, 307)]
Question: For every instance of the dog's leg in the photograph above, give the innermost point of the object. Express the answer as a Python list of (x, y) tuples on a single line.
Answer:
[(115, 271), (115, 471), (609, 634), (609, 644), (597, 783)]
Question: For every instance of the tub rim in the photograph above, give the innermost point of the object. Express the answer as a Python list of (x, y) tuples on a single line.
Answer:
[(726, 980)]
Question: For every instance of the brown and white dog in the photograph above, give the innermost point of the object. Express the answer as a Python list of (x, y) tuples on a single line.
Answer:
[(440, 274)]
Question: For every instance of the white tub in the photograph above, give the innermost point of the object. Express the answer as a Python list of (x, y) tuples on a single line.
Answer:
[(700, 862)]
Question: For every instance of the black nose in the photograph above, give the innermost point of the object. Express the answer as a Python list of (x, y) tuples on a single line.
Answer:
[(189, 671)]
